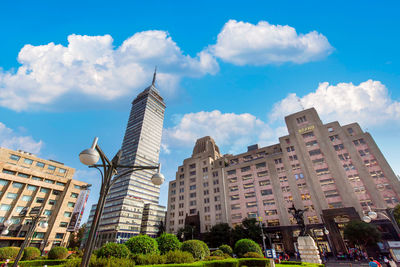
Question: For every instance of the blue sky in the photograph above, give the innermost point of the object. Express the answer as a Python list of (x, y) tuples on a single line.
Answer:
[(229, 69)]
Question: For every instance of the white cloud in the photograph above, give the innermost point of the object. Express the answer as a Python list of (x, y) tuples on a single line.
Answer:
[(91, 66), (368, 103), (243, 43), (236, 131), (12, 140)]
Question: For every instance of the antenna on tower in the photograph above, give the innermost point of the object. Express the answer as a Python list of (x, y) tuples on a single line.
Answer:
[(298, 100), (154, 76)]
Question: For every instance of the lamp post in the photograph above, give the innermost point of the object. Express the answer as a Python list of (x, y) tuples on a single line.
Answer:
[(90, 157), (387, 213), (6, 223), (37, 219)]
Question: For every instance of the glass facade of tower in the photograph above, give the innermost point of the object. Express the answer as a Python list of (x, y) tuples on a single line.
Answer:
[(129, 198)]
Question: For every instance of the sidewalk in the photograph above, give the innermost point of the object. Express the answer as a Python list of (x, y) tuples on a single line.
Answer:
[(345, 264)]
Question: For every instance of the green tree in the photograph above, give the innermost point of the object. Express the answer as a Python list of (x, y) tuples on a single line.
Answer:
[(142, 244), (113, 250), (245, 245), (361, 233), (75, 238), (249, 229), (219, 234), (160, 228), (188, 232), (168, 242), (396, 214)]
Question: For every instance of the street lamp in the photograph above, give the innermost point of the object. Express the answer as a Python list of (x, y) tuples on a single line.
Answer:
[(90, 157), (387, 213)]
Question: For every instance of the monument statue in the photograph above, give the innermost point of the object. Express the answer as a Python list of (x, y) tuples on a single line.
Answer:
[(298, 215)]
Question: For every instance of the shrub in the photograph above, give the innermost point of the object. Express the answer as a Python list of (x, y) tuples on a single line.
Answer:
[(214, 258), (101, 262), (115, 250), (148, 259), (58, 253), (142, 244), (31, 253), (246, 245), (196, 248), (252, 255), (254, 262), (178, 256), (8, 253), (168, 242), (226, 249), (218, 252)]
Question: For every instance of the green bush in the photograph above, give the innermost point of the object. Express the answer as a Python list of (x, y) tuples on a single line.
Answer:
[(58, 253), (226, 249), (8, 253), (178, 256), (148, 259), (31, 253), (168, 242), (291, 262), (254, 262), (115, 250), (218, 252), (246, 245), (214, 258), (252, 255), (38, 263), (142, 244), (102, 262), (222, 263), (196, 248)]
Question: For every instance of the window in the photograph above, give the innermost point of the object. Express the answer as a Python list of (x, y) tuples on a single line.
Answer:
[(264, 182), (268, 202), (234, 197), (236, 216), (246, 177), (298, 176), (308, 135), (290, 148), (330, 129), (51, 167), (192, 166), (192, 211), (17, 185), (233, 188), (206, 200), (249, 195), (206, 209), (247, 186), (3, 182), (271, 212), (318, 161), (37, 178), (350, 130), (62, 170), (39, 200), (262, 174), (334, 138), (206, 192), (218, 207), (245, 169), (216, 190), (192, 173), (49, 181), (67, 214), (19, 208), (233, 180), (192, 195), (192, 203), (312, 143), (325, 182), (215, 174), (338, 147), (215, 182), (302, 186), (292, 158), (301, 119), (47, 212), (251, 204), (56, 193), (40, 164), (5, 207), (31, 187), (63, 224), (12, 195), (15, 220), (9, 172), (261, 165), (305, 196), (44, 190), (231, 172), (28, 161), (14, 157), (26, 198), (235, 206), (322, 171), (73, 195), (192, 180), (52, 202), (23, 175), (192, 187), (266, 192), (278, 161), (285, 189), (61, 184), (331, 193), (314, 152), (38, 235)]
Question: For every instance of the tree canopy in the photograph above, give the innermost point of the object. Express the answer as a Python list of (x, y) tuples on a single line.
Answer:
[(361, 233)]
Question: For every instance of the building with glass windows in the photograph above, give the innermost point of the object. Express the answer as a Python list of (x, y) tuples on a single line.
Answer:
[(132, 204), (336, 172), (27, 181)]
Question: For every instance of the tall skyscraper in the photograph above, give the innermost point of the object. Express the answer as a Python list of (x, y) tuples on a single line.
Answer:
[(134, 197)]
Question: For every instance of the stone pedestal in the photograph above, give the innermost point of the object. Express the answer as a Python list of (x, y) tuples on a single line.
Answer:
[(308, 250)]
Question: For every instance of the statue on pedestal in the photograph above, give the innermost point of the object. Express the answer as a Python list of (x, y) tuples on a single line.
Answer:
[(298, 215)]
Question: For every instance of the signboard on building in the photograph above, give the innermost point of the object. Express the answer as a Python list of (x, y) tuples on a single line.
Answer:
[(306, 129), (78, 211), (270, 253)]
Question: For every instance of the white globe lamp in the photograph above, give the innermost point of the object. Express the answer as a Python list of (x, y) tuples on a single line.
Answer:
[(373, 215), (366, 219)]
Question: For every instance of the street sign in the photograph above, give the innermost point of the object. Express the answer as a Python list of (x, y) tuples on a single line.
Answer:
[(271, 254)]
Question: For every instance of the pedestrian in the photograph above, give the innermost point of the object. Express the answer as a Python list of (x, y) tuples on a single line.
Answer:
[(386, 261), (373, 263), (5, 264), (392, 263)]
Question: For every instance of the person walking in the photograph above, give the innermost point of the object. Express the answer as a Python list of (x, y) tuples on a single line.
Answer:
[(373, 263), (386, 261)]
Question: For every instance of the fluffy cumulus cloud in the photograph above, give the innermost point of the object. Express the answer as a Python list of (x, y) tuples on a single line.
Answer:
[(12, 140), (236, 131), (243, 43), (93, 67), (368, 103)]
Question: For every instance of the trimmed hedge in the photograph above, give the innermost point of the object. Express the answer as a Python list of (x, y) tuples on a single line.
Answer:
[(31, 253), (58, 253), (178, 256), (226, 249), (38, 263), (246, 245), (141, 259), (142, 244), (252, 255), (223, 263), (197, 248), (114, 250), (8, 253), (168, 242), (218, 253)]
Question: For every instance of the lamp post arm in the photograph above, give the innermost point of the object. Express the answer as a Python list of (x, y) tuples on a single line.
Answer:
[(103, 156)]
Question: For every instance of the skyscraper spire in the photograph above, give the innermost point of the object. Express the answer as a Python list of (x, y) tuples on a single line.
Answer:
[(154, 76)]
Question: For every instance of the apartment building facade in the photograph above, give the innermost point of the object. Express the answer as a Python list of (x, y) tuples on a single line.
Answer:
[(337, 173), (27, 181)]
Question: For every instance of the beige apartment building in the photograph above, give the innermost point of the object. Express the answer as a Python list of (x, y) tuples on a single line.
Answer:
[(29, 181), (336, 172)]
